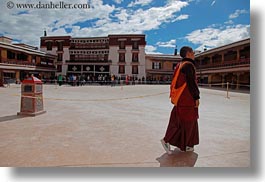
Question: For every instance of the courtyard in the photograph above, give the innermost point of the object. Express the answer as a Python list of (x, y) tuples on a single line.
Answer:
[(121, 126)]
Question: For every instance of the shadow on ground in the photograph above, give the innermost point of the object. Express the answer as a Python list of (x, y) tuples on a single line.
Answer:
[(9, 118), (178, 159)]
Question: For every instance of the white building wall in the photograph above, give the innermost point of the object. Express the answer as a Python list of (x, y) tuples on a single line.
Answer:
[(66, 56), (128, 60), (114, 57), (142, 68)]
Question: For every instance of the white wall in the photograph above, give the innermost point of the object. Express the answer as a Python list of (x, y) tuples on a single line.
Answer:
[(114, 56)]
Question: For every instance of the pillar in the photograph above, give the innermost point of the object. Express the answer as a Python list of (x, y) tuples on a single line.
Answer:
[(38, 60), (29, 59), (223, 80), (17, 76), (223, 58), (238, 80), (211, 59), (210, 80), (1, 78), (3, 55), (238, 55)]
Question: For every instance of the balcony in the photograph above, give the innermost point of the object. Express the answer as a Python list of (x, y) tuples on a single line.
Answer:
[(47, 65), (89, 46), (245, 61), (88, 61), (14, 62)]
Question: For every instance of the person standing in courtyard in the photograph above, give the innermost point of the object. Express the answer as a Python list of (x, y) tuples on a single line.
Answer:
[(182, 130), (60, 80)]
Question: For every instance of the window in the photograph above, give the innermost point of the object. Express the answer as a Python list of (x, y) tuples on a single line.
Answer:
[(217, 58), (60, 57), (205, 60), (230, 56), (60, 46), (59, 68), (245, 53), (49, 46), (135, 45), (135, 57), (33, 59), (10, 55), (121, 69), (22, 57), (122, 57), (134, 69), (122, 45), (156, 65)]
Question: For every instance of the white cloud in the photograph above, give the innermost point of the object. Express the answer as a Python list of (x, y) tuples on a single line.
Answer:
[(213, 37), (135, 21), (118, 1), (106, 19), (237, 13), (229, 22), (213, 3), (29, 26), (140, 2), (149, 49), (171, 43), (181, 17)]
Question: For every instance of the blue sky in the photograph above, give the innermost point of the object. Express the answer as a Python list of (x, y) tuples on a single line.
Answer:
[(197, 23)]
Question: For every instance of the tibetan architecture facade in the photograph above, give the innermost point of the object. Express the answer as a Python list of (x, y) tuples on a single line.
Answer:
[(160, 67), (88, 56), (58, 45), (124, 55), (127, 53), (226, 64), (18, 61), (118, 55)]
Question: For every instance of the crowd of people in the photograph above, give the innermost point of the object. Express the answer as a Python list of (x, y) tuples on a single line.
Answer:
[(101, 79)]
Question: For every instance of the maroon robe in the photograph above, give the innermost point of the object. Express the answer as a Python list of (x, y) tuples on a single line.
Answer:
[(183, 129)]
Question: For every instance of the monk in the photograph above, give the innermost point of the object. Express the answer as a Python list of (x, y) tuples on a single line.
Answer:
[(182, 130)]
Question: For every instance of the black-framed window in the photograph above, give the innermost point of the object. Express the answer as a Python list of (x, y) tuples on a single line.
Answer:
[(121, 69), (135, 45), (122, 45), (60, 46), (60, 57), (49, 46), (135, 57), (121, 57), (134, 69), (156, 65)]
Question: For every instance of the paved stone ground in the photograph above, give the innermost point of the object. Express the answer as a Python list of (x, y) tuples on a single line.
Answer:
[(120, 127)]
